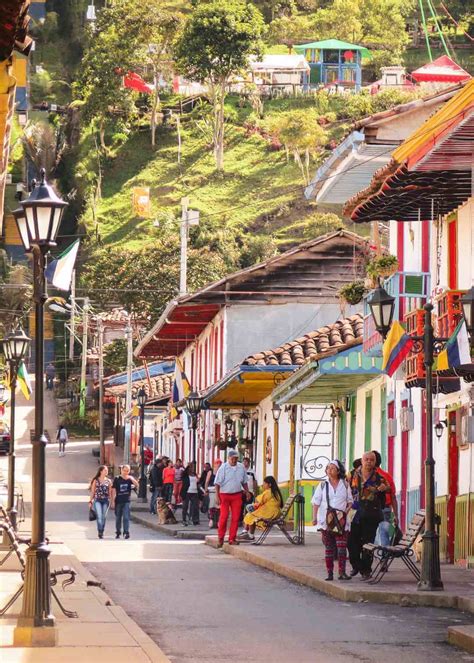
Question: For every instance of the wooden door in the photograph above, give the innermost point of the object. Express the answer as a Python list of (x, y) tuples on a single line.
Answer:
[(453, 469), (404, 475)]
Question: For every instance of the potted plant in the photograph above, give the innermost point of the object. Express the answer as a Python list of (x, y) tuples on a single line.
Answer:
[(382, 267), (221, 444), (352, 293)]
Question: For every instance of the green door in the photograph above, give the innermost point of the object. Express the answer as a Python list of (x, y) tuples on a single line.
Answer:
[(353, 430), (368, 422), (341, 454), (383, 427)]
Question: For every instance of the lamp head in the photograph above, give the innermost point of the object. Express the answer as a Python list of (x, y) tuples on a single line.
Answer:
[(382, 307), (43, 210)]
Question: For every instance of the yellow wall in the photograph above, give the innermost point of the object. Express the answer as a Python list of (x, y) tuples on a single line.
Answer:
[(19, 69)]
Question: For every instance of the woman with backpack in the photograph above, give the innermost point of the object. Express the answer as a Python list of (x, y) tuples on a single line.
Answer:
[(332, 501)]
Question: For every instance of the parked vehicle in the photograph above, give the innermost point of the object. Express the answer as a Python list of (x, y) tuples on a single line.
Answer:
[(4, 438)]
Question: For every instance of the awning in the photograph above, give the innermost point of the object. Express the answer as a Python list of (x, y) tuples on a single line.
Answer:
[(246, 386), (327, 380)]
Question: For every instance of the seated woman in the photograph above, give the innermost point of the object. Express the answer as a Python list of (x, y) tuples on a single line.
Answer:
[(267, 505)]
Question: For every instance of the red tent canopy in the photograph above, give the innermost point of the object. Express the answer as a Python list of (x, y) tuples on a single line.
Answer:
[(441, 70), (135, 82)]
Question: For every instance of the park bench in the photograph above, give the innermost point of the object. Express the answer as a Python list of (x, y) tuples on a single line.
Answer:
[(64, 570), (297, 535), (403, 550)]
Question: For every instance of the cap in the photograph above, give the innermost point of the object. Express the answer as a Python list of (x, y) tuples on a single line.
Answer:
[(232, 454)]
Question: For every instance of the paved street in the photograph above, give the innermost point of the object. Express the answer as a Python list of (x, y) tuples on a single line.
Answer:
[(199, 604)]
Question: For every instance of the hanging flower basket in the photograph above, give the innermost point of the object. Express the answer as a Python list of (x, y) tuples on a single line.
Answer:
[(221, 444), (382, 267), (352, 293)]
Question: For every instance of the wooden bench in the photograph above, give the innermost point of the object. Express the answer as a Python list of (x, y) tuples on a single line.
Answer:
[(64, 570), (297, 535), (402, 550)]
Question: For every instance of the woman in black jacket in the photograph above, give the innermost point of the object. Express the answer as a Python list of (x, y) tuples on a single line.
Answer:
[(190, 495)]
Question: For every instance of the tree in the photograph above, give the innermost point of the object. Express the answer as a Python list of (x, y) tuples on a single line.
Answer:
[(301, 134), (216, 44), (15, 294)]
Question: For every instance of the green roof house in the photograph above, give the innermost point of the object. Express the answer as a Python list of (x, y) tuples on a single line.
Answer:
[(334, 62)]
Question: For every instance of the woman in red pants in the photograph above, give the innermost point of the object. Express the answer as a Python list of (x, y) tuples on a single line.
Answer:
[(230, 481)]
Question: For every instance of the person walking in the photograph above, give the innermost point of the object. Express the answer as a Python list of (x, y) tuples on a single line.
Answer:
[(368, 492), (206, 480), (100, 495), (178, 481), (121, 494), (231, 479), (268, 505), (190, 495), (50, 375), (156, 483), (168, 481), (62, 437), (332, 501)]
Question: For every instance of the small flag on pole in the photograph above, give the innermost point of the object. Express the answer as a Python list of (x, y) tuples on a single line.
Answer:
[(456, 351), (59, 271), (181, 388), (396, 347), (23, 380)]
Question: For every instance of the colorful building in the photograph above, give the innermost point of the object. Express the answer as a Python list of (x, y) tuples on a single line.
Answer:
[(334, 62)]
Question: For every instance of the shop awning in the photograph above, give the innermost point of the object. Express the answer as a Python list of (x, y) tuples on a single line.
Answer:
[(246, 386), (327, 380)]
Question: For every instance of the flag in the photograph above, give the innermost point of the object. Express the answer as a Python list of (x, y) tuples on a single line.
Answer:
[(456, 351), (135, 82), (59, 271), (23, 380), (181, 388), (396, 347)]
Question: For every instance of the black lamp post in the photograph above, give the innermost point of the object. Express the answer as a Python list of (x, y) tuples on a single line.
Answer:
[(141, 398), (194, 403), (38, 222), (15, 349), (382, 307)]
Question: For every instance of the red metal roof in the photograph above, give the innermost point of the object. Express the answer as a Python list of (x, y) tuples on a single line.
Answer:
[(441, 70)]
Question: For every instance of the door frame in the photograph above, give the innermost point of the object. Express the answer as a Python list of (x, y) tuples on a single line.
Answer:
[(453, 484)]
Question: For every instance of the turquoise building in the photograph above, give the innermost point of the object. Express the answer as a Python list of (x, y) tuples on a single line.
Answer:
[(334, 62)]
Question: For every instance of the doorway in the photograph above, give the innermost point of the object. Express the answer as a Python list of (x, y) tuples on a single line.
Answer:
[(404, 476), (453, 485)]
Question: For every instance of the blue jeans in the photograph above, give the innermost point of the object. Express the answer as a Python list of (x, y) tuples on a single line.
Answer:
[(155, 493), (382, 537), (101, 509), (122, 511)]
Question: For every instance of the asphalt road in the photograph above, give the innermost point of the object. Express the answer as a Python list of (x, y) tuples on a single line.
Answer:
[(200, 604)]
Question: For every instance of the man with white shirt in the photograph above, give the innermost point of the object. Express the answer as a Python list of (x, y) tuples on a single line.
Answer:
[(231, 479)]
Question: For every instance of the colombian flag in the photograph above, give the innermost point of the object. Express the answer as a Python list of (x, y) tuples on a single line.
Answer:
[(396, 347), (181, 388), (456, 351)]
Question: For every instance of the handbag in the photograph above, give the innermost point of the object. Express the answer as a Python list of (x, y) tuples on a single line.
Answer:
[(335, 519), (92, 513)]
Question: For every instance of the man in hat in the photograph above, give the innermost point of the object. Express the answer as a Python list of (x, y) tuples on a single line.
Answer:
[(231, 479)]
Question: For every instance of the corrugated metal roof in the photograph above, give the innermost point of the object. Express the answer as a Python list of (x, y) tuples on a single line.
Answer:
[(354, 173)]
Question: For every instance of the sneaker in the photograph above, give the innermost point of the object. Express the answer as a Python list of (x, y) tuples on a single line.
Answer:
[(117, 536), (220, 543), (330, 577), (126, 535), (344, 576), (246, 536), (354, 572), (101, 536), (185, 523)]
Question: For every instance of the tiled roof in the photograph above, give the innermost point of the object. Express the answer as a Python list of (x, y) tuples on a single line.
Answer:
[(161, 387), (324, 341)]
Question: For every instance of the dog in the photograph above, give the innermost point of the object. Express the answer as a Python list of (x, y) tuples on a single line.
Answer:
[(165, 512), (418, 547)]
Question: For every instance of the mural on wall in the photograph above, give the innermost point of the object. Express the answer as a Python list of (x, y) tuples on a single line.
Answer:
[(316, 437), (268, 450)]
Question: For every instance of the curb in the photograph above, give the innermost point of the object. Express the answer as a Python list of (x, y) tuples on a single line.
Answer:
[(150, 648), (462, 637), (164, 529), (343, 592)]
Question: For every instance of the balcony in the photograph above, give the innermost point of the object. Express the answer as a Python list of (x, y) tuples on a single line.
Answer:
[(414, 287)]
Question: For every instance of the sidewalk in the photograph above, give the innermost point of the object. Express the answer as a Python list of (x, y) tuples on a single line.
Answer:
[(140, 514), (103, 630), (305, 565)]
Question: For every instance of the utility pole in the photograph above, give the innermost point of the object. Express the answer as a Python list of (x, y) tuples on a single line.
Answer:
[(72, 318), (100, 329), (184, 246), (188, 218), (128, 397), (82, 393)]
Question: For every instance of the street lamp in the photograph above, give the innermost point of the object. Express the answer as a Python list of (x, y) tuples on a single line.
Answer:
[(15, 348), (38, 222), (276, 412), (141, 399), (194, 403), (382, 307)]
